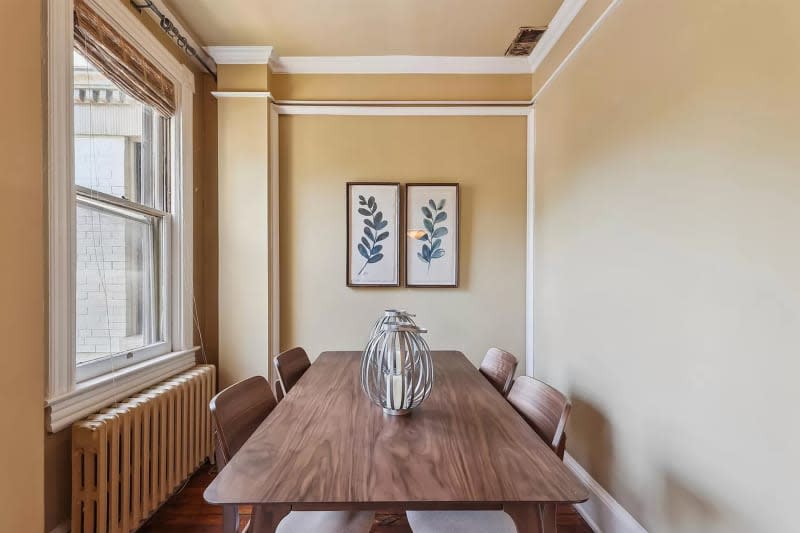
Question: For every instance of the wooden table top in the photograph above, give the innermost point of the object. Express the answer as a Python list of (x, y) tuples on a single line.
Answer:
[(326, 444)]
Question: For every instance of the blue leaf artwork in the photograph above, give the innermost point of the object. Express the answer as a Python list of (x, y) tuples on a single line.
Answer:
[(374, 226), (434, 217)]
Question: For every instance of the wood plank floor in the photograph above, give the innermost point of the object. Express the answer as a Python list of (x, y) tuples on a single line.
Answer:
[(188, 512)]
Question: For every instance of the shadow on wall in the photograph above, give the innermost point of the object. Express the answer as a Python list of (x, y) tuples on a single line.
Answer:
[(684, 508), (675, 503), (589, 440)]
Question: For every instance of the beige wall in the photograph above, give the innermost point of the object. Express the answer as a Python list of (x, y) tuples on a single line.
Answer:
[(667, 260), (399, 86), (22, 226), (486, 155)]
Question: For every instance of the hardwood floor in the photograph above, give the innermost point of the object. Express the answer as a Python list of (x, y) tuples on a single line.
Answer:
[(188, 512)]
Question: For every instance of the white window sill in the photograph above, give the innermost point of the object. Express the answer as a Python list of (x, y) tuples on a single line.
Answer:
[(92, 395)]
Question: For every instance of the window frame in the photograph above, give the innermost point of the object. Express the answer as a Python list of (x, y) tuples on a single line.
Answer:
[(72, 395)]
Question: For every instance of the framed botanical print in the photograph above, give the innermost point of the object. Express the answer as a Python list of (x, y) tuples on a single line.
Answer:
[(432, 234), (373, 234)]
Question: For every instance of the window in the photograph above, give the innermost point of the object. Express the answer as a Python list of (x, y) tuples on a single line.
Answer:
[(119, 159), (122, 161)]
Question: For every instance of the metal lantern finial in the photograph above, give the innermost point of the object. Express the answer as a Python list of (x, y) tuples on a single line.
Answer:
[(396, 368), (392, 316)]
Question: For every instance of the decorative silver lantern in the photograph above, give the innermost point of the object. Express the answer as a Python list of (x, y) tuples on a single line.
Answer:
[(396, 368), (391, 316)]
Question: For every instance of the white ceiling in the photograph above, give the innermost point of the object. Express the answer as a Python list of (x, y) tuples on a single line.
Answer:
[(365, 27)]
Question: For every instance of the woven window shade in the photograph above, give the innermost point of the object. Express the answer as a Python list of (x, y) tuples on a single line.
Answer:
[(121, 61)]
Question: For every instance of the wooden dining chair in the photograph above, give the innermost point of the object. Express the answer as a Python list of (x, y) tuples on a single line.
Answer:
[(291, 365), (498, 366), (546, 410), (236, 412)]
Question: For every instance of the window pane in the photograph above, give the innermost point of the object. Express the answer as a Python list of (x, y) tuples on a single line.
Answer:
[(118, 301), (121, 144)]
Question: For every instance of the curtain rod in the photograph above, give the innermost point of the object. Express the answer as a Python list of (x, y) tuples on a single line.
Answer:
[(172, 31)]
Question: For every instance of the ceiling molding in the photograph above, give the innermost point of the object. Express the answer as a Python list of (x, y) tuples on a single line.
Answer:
[(241, 55), (593, 28), (561, 20), (401, 65), (241, 94)]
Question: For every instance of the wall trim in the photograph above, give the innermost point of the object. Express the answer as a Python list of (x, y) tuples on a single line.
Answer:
[(241, 55), (349, 110), (558, 25), (60, 200), (241, 94), (530, 221), (593, 28), (602, 512), (401, 65)]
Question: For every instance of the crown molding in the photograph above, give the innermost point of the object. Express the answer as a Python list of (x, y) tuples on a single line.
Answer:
[(401, 65), (581, 42), (561, 20), (241, 55)]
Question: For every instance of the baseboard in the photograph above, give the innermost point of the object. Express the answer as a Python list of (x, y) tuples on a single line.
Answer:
[(602, 512), (63, 527)]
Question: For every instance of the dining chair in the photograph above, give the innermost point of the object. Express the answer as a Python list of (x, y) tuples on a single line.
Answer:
[(236, 412), (291, 365), (546, 410), (498, 366)]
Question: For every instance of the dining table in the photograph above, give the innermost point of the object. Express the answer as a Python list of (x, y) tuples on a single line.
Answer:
[(326, 446)]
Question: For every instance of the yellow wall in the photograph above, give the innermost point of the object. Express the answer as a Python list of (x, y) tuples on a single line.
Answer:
[(486, 155), (22, 225), (667, 260), (400, 87)]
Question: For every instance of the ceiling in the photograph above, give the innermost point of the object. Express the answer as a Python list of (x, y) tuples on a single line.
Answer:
[(364, 27)]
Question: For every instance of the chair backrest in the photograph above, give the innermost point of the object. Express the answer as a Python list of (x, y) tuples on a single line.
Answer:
[(237, 412), (498, 366), (544, 408), (291, 365)]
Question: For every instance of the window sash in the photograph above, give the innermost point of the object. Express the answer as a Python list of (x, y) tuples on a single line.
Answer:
[(160, 224)]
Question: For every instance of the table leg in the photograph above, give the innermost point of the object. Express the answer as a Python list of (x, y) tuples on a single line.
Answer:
[(230, 518), (265, 518), (532, 517)]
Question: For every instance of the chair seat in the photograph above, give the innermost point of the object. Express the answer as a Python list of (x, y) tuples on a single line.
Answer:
[(460, 521), (327, 522)]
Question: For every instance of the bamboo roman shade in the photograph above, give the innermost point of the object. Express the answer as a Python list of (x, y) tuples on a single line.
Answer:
[(121, 61)]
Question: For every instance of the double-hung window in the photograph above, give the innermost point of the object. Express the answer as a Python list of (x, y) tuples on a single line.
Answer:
[(119, 154), (122, 185)]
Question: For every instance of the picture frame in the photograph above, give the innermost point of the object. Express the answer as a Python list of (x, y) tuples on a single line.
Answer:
[(433, 232), (374, 226)]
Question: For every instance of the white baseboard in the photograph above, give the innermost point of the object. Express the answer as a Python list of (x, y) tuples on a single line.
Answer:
[(602, 512), (63, 527)]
